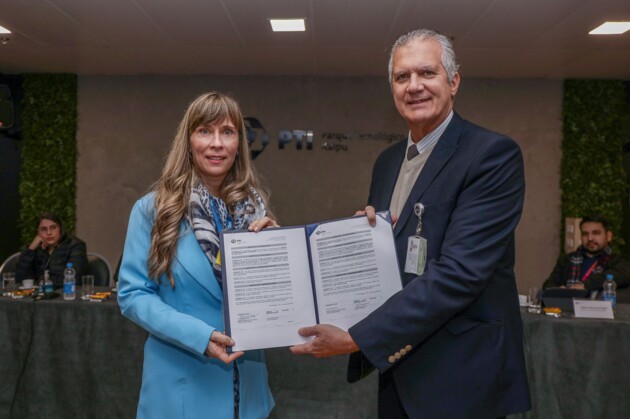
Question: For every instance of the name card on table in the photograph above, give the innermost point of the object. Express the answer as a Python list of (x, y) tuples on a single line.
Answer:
[(593, 309)]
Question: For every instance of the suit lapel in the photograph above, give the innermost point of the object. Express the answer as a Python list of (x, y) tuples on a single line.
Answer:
[(442, 152), (195, 262)]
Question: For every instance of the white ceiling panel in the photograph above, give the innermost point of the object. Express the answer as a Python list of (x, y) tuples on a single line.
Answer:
[(251, 20), (282, 61), (231, 61), (517, 24), (171, 60), (44, 24), (336, 22), (572, 32), (450, 17), (493, 38), (350, 61), (116, 22), (192, 22)]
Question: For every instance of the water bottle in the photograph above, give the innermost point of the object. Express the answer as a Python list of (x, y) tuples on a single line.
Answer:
[(610, 291), (69, 290)]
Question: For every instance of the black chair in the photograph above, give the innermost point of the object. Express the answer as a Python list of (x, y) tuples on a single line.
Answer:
[(117, 271), (100, 268), (10, 263)]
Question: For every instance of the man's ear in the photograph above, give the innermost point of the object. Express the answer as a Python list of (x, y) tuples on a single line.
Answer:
[(609, 236), (455, 84)]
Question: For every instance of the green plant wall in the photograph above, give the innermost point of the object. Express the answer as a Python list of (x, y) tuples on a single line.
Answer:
[(592, 177), (49, 150)]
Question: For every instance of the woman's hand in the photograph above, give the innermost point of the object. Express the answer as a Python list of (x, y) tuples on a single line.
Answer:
[(261, 223), (217, 348), (37, 242)]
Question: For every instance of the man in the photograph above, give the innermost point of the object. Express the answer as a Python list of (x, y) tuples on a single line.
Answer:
[(449, 345), (586, 268)]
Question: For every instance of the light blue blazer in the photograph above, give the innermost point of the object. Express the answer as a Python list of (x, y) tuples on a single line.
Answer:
[(178, 380)]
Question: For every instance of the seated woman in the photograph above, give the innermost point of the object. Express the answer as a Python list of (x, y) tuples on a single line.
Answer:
[(51, 250)]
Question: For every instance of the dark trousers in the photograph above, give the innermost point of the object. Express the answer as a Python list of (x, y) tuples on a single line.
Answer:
[(389, 404)]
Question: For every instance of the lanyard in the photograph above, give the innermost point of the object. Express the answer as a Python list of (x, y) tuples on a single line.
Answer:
[(590, 270), (217, 220)]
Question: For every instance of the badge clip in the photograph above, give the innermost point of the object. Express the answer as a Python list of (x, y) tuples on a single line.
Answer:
[(416, 246)]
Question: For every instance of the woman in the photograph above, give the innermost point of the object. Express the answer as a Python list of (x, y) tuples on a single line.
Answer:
[(51, 250), (170, 277)]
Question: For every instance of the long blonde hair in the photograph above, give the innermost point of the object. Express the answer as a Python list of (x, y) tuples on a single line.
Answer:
[(172, 190)]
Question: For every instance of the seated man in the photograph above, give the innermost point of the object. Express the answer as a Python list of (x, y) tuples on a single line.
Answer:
[(586, 268)]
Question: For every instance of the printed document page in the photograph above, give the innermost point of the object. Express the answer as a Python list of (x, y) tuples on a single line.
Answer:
[(269, 281), (268, 285), (355, 269)]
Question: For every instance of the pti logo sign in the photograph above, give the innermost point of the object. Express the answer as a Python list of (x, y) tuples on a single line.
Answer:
[(256, 132), (301, 137)]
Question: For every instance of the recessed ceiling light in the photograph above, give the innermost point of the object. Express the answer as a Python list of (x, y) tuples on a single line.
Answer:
[(287, 25), (4, 30), (611, 28)]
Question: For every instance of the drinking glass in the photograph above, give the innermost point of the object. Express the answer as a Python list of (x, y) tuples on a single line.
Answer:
[(87, 285), (533, 299), (8, 284)]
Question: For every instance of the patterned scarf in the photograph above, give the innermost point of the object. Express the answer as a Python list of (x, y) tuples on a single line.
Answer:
[(204, 222), (575, 266)]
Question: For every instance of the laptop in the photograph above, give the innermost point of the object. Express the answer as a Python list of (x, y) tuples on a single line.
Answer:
[(562, 297)]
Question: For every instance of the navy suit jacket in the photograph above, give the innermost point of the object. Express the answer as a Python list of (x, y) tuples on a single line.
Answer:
[(453, 336)]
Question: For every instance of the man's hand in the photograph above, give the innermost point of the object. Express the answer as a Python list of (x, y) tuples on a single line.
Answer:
[(578, 286), (371, 215), (329, 341), (217, 348)]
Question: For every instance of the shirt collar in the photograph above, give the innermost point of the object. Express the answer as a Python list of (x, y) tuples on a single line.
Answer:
[(428, 141)]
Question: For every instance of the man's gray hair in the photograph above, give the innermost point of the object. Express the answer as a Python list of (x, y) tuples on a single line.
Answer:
[(448, 53)]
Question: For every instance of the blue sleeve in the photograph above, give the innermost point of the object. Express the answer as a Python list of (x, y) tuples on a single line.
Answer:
[(141, 299)]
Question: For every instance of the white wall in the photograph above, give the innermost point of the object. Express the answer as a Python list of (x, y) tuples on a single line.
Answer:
[(126, 125)]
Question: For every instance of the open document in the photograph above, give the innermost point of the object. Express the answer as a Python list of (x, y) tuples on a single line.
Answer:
[(278, 280)]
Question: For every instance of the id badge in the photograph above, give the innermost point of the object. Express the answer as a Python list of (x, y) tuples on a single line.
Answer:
[(416, 255)]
